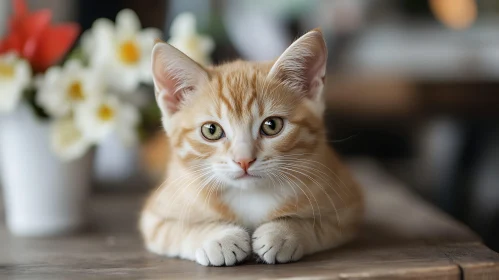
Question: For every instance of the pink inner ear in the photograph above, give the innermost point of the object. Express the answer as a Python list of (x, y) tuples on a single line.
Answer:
[(169, 94), (310, 91), (316, 75), (174, 100), (171, 100), (303, 65), (175, 76)]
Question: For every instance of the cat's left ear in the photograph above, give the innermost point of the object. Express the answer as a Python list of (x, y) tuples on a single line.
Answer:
[(175, 76), (302, 66)]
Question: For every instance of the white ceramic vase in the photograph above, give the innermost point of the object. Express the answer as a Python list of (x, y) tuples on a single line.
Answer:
[(43, 195)]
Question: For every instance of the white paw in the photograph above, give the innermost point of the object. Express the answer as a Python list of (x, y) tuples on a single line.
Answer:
[(274, 245), (231, 247)]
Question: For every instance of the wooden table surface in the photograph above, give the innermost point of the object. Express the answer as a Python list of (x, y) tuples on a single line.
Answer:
[(403, 238)]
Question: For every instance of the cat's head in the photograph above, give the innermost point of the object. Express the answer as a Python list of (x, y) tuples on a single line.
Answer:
[(243, 123)]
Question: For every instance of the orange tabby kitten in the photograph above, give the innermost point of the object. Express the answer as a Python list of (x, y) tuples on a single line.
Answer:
[(250, 171)]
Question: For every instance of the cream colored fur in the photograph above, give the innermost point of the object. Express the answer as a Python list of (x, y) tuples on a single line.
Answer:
[(295, 199)]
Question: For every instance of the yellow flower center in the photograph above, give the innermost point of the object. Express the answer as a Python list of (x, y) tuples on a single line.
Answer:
[(75, 91), (105, 113), (129, 52), (192, 43), (7, 70)]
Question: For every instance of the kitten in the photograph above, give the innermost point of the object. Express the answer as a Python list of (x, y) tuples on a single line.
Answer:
[(250, 170)]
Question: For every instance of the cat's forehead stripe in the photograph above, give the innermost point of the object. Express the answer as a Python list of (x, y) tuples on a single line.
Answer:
[(253, 92), (238, 92), (221, 95)]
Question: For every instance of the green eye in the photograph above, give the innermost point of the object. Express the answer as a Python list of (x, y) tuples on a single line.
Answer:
[(272, 126), (212, 131)]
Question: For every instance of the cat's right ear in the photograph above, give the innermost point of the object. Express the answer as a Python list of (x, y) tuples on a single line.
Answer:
[(175, 77)]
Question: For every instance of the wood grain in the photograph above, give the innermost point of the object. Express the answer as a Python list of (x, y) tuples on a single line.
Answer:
[(403, 238), (475, 260)]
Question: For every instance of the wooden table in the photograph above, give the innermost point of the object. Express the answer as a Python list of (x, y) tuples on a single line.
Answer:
[(403, 238)]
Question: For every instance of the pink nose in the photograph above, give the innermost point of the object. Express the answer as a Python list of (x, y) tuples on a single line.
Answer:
[(245, 163)]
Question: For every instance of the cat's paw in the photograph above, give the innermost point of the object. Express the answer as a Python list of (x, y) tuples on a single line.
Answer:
[(229, 248), (274, 245)]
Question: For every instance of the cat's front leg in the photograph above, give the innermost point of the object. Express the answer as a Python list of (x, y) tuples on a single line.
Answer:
[(289, 239), (214, 243), (277, 242), (228, 246)]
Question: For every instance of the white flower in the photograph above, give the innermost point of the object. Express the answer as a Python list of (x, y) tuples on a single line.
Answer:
[(15, 76), (123, 50), (184, 37), (68, 142), (108, 115), (61, 89)]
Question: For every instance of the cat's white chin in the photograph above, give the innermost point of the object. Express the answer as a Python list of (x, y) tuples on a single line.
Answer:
[(246, 181), (246, 176)]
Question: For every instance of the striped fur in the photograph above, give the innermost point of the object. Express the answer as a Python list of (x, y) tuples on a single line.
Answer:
[(300, 199)]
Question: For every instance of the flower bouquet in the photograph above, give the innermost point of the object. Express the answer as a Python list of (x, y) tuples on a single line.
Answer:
[(57, 104)]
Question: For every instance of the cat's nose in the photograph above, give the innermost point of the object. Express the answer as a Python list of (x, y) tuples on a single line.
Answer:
[(245, 163)]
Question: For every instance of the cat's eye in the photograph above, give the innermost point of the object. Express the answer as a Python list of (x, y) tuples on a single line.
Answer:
[(212, 131), (272, 126)]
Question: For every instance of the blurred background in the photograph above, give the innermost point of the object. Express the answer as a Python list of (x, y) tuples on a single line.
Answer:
[(411, 84)]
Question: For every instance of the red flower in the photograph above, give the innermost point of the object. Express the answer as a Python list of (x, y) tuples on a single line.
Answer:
[(33, 37)]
